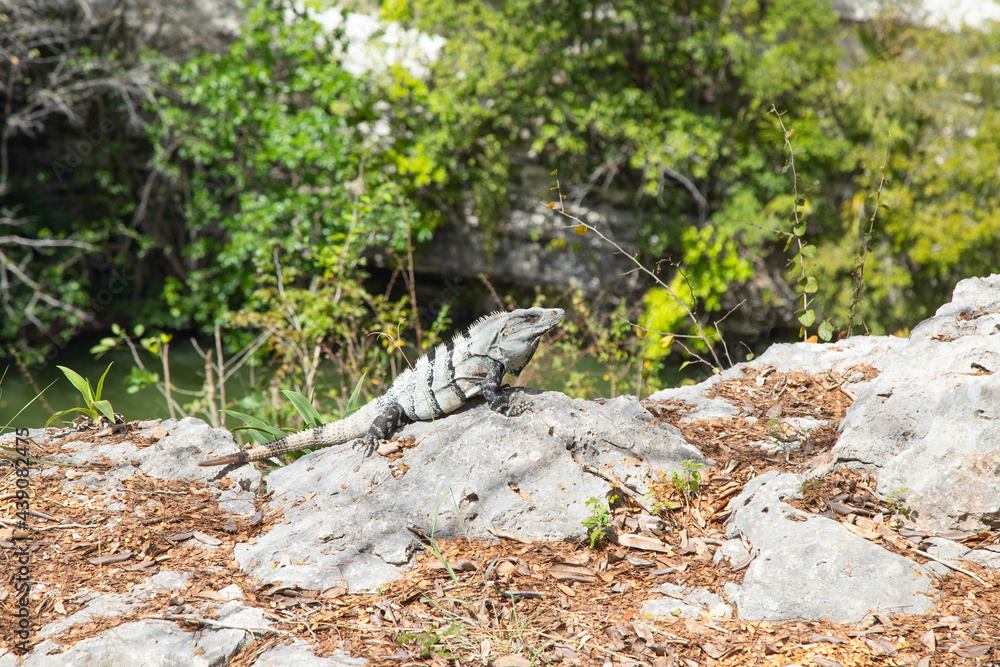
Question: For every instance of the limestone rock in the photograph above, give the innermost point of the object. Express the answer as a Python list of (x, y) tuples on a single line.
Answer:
[(473, 471), (929, 425), (811, 567)]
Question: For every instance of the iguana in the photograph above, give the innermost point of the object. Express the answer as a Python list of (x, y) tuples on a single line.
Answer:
[(443, 380)]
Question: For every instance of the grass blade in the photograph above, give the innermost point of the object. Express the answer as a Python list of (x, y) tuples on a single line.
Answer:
[(256, 427), (82, 385), (305, 409)]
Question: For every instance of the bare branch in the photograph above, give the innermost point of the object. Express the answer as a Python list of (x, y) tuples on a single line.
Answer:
[(690, 187), (45, 243), (40, 294)]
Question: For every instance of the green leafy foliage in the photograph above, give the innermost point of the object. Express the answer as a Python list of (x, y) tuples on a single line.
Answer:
[(687, 480), (70, 227), (671, 103), (933, 95), (432, 643), (663, 100), (286, 170), (710, 264), (252, 186)]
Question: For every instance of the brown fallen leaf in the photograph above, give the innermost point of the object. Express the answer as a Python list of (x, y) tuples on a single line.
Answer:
[(826, 662), (881, 647), (566, 652), (861, 532), (840, 508), (572, 572), (110, 558), (206, 539), (149, 562), (712, 650), (929, 640), (506, 535), (461, 565), (506, 569), (566, 589), (643, 631), (334, 593), (511, 661), (642, 542), (972, 651)]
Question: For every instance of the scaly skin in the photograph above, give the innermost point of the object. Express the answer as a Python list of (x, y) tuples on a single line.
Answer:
[(473, 362)]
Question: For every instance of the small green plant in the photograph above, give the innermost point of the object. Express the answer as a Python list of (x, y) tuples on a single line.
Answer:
[(807, 284), (811, 485), (658, 506), (897, 503), (94, 406), (432, 643), (866, 239), (688, 479), (140, 377), (599, 520)]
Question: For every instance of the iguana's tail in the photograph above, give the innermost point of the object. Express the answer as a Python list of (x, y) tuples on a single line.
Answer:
[(238, 457), (333, 433)]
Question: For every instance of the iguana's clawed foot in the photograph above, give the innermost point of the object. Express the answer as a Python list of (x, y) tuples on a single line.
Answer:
[(502, 404), (367, 444)]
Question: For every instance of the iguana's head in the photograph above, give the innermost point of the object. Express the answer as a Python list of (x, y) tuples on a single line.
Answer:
[(517, 339)]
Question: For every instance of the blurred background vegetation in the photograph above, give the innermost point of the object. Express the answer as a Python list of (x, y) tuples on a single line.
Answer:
[(276, 192)]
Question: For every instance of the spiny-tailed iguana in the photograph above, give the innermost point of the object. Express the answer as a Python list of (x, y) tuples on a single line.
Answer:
[(473, 362)]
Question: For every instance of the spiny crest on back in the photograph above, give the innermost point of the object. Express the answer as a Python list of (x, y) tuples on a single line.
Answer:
[(482, 320)]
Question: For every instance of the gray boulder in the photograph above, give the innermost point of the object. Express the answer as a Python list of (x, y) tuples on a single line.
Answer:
[(154, 642), (929, 425), (151, 642), (300, 654), (473, 471), (810, 567)]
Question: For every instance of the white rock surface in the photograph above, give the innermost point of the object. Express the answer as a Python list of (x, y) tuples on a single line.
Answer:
[(473, 471), (810, 567), (930, 423)]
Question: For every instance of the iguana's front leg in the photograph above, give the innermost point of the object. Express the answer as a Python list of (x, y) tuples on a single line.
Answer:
[(385, 424), (491, 390)]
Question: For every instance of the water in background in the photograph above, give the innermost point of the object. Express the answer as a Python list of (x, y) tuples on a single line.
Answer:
[(187, 371)]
